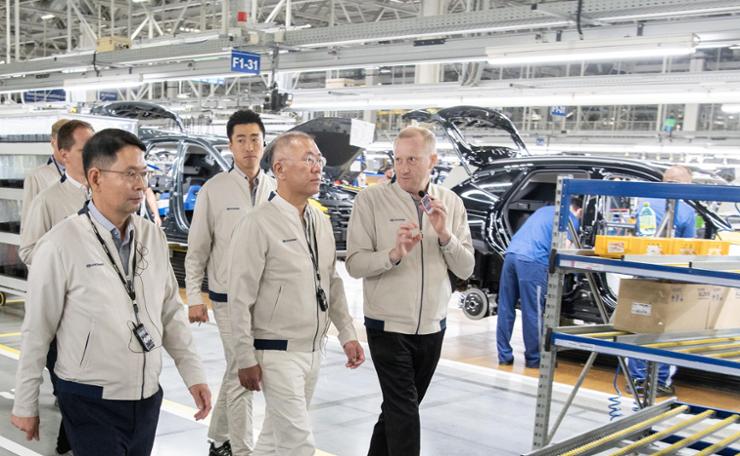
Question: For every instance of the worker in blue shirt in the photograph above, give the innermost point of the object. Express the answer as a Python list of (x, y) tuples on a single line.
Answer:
[(524, 278), (684, 227)]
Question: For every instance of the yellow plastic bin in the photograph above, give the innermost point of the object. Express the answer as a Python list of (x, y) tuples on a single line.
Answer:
[(711, 247), (612, 246), (682, 246), (651, 246)]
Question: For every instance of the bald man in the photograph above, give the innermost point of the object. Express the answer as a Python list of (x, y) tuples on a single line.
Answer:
[(284, 292), (684, 227)]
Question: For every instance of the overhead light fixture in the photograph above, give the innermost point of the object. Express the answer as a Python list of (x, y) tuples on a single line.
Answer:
[(48, 16), (104, 82), (731, 108), (139, 1), (596, 49)]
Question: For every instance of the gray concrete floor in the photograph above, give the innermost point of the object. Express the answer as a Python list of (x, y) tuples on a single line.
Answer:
[(469, 410)]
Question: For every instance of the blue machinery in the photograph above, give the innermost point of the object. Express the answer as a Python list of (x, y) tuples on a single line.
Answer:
[(716, 351)]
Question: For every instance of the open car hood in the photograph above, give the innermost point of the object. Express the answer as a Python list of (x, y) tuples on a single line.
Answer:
[(457, 118), (139, 110), (337, 142)]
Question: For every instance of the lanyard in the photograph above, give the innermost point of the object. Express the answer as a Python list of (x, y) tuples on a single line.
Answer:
[(127, 285), (313, 249)]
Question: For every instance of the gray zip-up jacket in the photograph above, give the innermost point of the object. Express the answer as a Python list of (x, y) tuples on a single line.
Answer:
[(412, 296), (75, 294), (36, 181), (51, 206), (220, 205), (272, 283)]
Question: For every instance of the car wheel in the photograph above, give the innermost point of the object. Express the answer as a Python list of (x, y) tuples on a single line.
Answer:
[(475, 304)]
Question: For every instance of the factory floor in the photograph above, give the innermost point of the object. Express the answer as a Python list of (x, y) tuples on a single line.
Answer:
[(473, 407)]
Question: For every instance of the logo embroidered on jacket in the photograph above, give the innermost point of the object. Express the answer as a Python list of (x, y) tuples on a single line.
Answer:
[(289, 240), (397, 220), (233, 208), (90, 265)]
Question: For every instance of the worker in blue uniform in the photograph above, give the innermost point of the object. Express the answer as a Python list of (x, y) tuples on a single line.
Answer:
[(684, 227), (524, 278)]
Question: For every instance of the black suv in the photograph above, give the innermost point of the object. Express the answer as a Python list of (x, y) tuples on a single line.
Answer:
[(502, 184)]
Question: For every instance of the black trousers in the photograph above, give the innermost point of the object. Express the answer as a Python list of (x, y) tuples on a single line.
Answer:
[(98, 427), (405, 364)]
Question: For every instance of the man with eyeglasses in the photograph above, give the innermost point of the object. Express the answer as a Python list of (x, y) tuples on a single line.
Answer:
[(403, 237), (102, 284), (63, 198), (284, 292), (221, 203)]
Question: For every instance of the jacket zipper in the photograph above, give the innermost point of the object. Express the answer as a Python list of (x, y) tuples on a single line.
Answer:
[(421, 245)]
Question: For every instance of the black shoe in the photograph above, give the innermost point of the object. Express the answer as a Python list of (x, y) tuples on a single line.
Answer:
[(506, 363), (533, 365), (223, 450)]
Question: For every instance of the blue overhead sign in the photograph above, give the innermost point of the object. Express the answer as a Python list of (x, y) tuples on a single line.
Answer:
[(245, 62), (559, 111), (32, 96)]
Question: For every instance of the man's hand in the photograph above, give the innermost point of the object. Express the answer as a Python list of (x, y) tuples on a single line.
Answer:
[(29, 425), (198, 313), (355, 354), (406, 240), (438, 220), (251, 377), (202, 396)]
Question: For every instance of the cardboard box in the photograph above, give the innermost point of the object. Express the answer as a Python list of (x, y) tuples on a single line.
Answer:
[(726, 313), (648, 306)]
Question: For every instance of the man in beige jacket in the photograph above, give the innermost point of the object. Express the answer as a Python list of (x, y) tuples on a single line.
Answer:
[(221, 203), (45, 175), (103, 285), (284, 292), (63, 198), (402, 246)]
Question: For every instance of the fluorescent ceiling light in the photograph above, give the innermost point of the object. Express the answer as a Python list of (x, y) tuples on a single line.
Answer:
[(105, 82), (596, 49), (48, 16), (731, 108)]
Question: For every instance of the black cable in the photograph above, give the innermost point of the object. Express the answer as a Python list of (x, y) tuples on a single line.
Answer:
[(579, 11)]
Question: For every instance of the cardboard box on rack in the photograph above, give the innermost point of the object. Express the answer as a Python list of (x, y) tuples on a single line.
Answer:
[(648, 306), (726, 313)]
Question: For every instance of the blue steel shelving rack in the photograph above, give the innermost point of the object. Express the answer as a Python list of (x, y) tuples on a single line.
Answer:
[(564, 262)]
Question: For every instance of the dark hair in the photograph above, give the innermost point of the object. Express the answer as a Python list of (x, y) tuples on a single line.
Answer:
[(576, 201), (65, 136), (102, 148), (243, 117)]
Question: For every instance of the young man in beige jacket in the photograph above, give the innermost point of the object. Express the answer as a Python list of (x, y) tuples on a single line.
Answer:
[(402, 246), (284, 292), (102, 284), (45, 175), (63, 198), (221, 203)]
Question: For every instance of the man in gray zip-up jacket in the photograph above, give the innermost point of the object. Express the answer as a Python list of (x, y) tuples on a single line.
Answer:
[(402, 246), (284, 292), (221, 203), (102, 284), (63, 198), (45, 175)]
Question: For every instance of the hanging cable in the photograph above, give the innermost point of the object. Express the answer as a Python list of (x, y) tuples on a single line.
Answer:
[(579, 12)]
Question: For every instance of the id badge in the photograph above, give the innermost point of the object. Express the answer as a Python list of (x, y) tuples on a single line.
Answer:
[(142, 335)]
